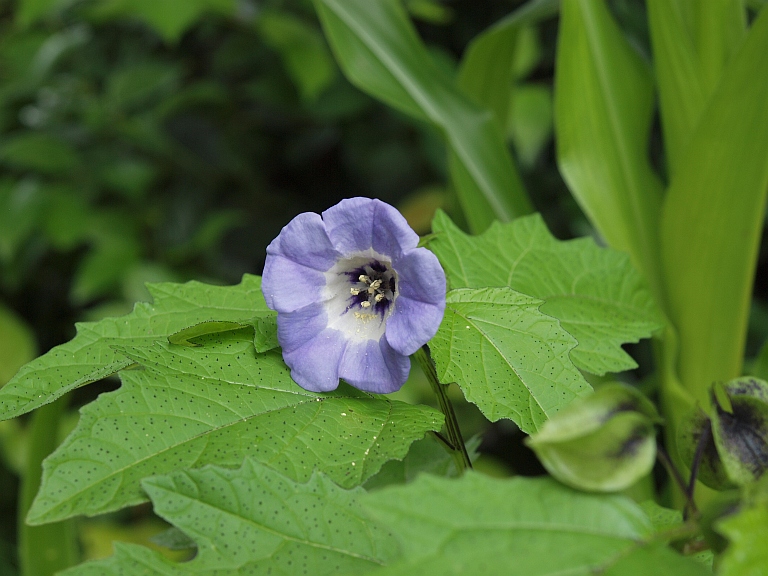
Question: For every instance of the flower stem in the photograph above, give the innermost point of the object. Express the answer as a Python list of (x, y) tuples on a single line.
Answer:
[(455, 441), (666, 461)]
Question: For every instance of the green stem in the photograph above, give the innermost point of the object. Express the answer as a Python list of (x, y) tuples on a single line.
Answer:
[(457, 447), (43, 550)]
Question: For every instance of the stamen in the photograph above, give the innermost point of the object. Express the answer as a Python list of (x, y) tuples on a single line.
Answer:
[(375, 285), (354, 291), (365, 304), (364, 279), (379, 297)]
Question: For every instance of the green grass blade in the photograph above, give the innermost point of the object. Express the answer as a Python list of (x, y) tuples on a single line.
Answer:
[(717, 28), (691, 45), (713, 217), (379, 50), (682, 95), (485, 72), (43, 550), (603, 109)]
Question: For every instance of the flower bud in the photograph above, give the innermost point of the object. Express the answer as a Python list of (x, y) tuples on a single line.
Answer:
[(733, 442), (740, 430), (695, 433), (604, 442)]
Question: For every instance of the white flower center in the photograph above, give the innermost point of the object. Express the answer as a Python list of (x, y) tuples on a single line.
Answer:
[(359, 295)]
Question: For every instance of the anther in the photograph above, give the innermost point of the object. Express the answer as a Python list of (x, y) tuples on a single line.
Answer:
[(354, 291), (375, 284), (364, 279), (379, 297), (365, 304)]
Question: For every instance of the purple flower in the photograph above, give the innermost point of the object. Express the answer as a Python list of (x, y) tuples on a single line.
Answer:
[(354, 296)]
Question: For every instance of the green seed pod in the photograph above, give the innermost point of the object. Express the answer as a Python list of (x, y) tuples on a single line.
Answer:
[(740, 430), (696, 430), (733, 442), (604, 442)]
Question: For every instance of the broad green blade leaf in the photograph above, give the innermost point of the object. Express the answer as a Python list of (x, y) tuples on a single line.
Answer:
[(255, 521), (90, 356), (380, 52), (507, 357), (713, 218), (603, 110), (217, 404), (301, 47), (43, 550), (530, 121), (717, 27), (682, 95), (485, 72), (594, 292), (692, 43), (510, 527)]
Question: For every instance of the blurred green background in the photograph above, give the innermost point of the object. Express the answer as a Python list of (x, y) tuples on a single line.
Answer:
[(154, 140)]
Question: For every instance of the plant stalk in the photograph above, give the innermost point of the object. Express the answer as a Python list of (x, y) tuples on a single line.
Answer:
[(457, 447), (47, 549)]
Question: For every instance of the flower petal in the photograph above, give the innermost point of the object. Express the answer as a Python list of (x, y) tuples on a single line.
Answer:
[(420, 305), (413, 324), (350, 224), (391, 233), (288, 286), (359, 224), (294, 329), (373, 366), (315, 364), (305, 241), (420, 277)]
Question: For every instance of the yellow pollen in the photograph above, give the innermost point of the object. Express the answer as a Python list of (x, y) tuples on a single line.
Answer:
[(363, 278), (354, 291), (379, 297), (375, 284), (365, 304)]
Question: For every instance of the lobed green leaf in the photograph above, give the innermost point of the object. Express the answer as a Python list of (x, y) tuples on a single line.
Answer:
[(255, 521), (517, 526), (485, 72), (713, 217), (680, 82), (509, 359), (604, 104), (218, 403), (91, 355), (595, 293)]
